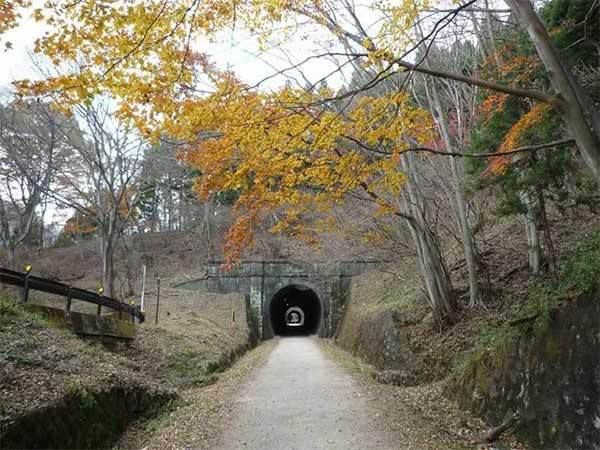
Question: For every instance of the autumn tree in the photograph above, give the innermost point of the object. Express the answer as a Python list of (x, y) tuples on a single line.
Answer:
[(78, 226), (530, 183), (138, 69)]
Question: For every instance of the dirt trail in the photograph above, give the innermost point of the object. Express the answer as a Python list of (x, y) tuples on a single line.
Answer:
[(300, 399), (306, 393)]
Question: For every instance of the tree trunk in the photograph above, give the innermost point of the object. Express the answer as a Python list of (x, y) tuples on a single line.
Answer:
[(10, 257), (108, 275), (467, 237), (433, 271), (436, 278), (457, 187), (580, 114), (205, 232), (534, 244)]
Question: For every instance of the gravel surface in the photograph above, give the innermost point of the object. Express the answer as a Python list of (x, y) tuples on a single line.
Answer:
[(300, 399)]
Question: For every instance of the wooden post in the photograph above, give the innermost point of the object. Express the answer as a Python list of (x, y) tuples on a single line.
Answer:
[(26, 288), (157, 299), (69, 299), (26, 283), (100, 292)]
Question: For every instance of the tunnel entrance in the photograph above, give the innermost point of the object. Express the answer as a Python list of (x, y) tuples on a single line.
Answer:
[(295, 310)]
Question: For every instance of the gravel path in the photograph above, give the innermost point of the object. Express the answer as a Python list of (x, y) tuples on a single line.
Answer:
[(300, 399)]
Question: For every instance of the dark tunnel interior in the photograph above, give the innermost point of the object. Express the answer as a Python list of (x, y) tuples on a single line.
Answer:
[(295, 301)]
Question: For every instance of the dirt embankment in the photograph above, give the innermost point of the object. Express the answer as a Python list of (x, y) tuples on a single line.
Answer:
[(387, 323), (58, 390)]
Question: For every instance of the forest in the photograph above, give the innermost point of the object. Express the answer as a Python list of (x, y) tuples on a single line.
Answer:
[(428, 122)]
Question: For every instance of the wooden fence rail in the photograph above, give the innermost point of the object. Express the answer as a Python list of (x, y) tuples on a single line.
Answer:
[(29, 282)]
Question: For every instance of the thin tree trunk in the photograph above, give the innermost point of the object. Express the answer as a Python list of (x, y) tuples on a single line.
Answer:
[(543, 216), (205, 233), (10, 257), (467, 237), (108, 275), (534, 245), (492, 38), (433, 272)]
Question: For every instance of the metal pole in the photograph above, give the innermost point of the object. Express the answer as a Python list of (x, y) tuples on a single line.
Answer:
[(157, 299), (143, 286)]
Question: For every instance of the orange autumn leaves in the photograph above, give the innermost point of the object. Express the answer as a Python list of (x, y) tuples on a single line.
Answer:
[(287, 153), (518, 70), (10, 12), (513, 139)]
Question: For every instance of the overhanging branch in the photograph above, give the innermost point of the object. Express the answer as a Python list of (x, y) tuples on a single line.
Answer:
[(527, 148)]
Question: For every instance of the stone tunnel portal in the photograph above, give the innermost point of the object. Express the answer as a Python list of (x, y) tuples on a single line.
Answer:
[(295, 310)]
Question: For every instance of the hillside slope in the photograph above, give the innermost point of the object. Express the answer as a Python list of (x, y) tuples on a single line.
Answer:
[(518, 353)]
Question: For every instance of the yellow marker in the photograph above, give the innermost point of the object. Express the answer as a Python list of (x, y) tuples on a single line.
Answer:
[(100, 290), (28, 268)]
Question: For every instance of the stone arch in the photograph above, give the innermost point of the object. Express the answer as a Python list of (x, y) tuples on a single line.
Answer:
[(289, 293)]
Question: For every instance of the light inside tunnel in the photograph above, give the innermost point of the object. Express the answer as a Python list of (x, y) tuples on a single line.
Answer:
[(295, 310)]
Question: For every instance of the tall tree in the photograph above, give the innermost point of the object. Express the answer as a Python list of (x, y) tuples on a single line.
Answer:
[(32, 145), (100, 180)]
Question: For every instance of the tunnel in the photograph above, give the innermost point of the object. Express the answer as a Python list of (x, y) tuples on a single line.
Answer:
[(295, 310)]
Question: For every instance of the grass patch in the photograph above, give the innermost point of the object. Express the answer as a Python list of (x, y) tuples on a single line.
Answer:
[(403, 299), (166, 417), (75, 388), (13, 312), (191, 367), (352, 364), (195, 367), (8, 309)]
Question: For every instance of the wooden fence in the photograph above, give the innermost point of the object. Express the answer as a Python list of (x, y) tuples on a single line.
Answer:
[(29, 282)]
